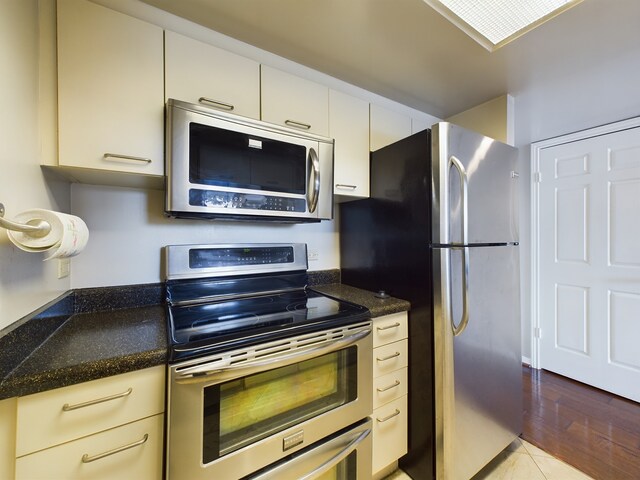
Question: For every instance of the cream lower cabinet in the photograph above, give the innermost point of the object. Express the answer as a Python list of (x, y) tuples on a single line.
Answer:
[(110, 90), (102, 429), (197, 72), (349, 127), (390, 389)]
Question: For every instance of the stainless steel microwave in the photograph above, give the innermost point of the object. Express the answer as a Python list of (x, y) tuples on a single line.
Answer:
[(220, 165)]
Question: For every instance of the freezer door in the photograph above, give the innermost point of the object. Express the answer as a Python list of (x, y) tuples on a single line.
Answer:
[(474, 188), (478, 358)]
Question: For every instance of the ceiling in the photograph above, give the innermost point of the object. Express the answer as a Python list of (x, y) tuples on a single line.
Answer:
[(405, 51)]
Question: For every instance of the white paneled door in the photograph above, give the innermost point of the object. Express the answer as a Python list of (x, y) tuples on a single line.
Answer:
[(589, 261)]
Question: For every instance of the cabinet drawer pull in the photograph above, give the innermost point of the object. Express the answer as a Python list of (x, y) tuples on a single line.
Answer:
[(88, 459), (388, 357), (67, 408), (389, 387), (345, 186), (395, 325), (293, 123), (216, 103), (388, 417), (108, 156)]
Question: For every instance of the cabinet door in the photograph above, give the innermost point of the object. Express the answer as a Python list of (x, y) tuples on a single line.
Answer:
[(130, 451), (110, 90), (349, 127), (387, 127), (294, 101), (197, 72)]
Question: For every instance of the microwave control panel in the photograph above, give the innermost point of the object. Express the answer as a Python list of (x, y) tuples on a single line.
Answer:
[(235, 200)]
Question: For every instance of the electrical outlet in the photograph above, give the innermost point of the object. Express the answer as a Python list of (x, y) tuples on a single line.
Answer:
[(64, 267), (312, 256)]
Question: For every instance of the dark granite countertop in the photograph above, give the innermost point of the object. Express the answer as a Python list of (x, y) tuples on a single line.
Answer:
[(92, 333)]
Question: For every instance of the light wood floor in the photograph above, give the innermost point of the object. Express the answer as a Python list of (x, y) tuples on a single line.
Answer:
[(595, 431)]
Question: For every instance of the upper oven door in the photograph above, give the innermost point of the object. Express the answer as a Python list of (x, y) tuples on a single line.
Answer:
[(234, 413), (221, 164)]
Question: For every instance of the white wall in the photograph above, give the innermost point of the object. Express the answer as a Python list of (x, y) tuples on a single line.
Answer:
[(26, 282), (128, 229), (577, 97)]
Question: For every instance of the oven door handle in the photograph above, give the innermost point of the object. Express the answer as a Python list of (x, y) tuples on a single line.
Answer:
[(201, 373), (347, 444)]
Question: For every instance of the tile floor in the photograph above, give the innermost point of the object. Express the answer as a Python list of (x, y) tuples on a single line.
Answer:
[(520, 461)]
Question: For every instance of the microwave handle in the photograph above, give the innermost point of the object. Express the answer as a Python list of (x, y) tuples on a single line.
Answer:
[(348, 443), (314, 180)]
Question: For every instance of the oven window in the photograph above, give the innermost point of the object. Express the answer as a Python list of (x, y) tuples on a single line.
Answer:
[(232, 159), (242, 411)]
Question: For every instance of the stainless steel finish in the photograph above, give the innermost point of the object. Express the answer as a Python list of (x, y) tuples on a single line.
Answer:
[(313, 190), (345, 186), (176, 261), (117, 156), (86, 458), (179, 116), (68, 408), (220, 298), (185, 410), (478, 388), (216, 103), (388, 417), (35, 228), (319, 460), (388, 327), (388, 387), (271, 355), (292, 440), (293, 123), (388, 357), (491, 193)]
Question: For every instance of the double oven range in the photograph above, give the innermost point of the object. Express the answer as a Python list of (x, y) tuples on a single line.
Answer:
[(267, 379)]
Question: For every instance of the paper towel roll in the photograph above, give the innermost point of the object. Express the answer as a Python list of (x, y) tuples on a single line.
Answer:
[(68, 235)]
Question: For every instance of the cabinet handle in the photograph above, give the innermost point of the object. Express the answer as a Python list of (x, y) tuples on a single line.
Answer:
[(345, 186), (388, 387), (107, 156), (388, 357), (395, 325), (388, 417), (88, 459), (216, 103), (293, 123), (67, 408)]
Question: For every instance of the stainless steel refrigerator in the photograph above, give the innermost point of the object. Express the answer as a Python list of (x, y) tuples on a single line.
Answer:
[(440, 229)]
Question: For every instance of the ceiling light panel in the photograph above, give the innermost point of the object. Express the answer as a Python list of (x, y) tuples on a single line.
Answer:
[(493, 23)]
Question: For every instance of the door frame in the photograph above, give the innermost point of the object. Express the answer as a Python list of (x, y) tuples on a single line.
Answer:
[(536, 150)]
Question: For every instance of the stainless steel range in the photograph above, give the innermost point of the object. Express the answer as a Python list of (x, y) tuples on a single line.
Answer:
[(268, 379)]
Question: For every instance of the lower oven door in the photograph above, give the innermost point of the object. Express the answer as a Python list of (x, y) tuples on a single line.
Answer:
[(232, 414), (344, 456)]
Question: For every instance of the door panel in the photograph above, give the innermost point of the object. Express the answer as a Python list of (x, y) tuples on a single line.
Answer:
[(589, 270), (491, 187)]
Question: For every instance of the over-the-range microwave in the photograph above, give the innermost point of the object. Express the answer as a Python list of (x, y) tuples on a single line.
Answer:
[(221, 165)]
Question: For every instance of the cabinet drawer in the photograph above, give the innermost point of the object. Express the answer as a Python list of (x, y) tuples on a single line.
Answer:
[(390, 328), (389, 433), (50, 418), (390, 357), (389, 387), (130, 451)]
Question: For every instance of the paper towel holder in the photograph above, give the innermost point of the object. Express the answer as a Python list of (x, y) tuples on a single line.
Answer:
[(35, 228)]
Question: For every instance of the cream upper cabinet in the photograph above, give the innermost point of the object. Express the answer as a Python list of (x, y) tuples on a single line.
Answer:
[(197, 72), (420, 124), (349, 126), (110, 90), (295, 102), (387, 126)]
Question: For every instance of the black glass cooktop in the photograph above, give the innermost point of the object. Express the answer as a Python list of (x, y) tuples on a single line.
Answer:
[(210, 327)]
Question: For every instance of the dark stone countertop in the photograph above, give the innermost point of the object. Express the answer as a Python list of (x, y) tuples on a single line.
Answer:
[(92, 333)]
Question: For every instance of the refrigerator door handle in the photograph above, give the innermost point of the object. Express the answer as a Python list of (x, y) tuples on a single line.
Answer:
[(464, 186), (464, 318)]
